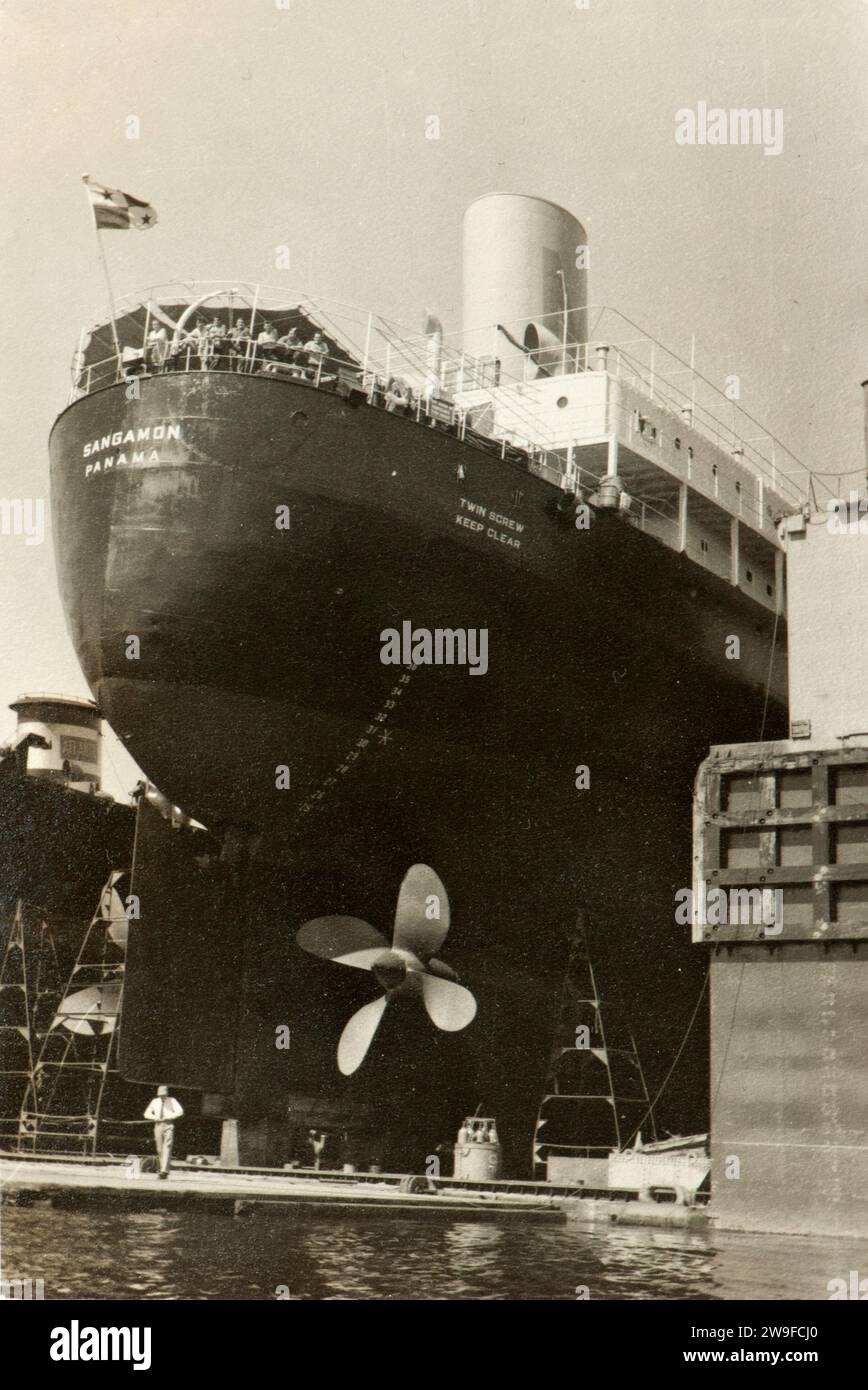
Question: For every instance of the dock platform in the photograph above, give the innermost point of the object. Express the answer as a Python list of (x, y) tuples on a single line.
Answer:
[(73, 1181), (297, 1192)]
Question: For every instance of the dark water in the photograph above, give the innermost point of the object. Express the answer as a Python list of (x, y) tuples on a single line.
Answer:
[(167, 1255)]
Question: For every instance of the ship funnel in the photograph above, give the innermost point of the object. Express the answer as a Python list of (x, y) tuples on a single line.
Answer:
[(63, 737), (525, 284)]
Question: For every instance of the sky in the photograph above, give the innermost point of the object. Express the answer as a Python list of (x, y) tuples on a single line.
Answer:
[(305, 123)]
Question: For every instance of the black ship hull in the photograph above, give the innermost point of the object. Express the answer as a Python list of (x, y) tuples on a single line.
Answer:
[(259, 649)]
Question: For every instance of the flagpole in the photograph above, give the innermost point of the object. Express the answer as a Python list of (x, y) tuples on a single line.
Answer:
[(105, 271)]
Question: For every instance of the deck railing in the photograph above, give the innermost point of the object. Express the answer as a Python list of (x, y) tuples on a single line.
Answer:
[(433, 376)]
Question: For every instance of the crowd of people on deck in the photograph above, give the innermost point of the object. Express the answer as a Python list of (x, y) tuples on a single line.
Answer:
[(220, 345), (216, 346)]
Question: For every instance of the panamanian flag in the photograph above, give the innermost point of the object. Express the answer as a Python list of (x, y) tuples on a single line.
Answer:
[(117, 210)]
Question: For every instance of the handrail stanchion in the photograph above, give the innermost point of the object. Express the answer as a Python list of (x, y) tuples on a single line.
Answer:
[(79, 361), (145, 333), (248, 355)]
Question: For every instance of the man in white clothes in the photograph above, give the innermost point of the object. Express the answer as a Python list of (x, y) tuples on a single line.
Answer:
[(164, 1110)]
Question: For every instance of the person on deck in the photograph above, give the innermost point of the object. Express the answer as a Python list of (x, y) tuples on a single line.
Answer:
[(266, 346), (211, 336), (238, 341), (289, 347), (156, 347), (316, 349), (398, 397), (192, 346), (164, 1110), (218, 346)]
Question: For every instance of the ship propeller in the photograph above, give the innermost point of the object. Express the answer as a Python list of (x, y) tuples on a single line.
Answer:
[(90, 1011), (408, 967)]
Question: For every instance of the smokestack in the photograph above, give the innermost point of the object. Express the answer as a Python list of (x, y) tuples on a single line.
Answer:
[(525, 280)]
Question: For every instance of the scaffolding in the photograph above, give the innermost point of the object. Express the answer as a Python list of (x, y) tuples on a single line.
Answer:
[(30, 987), (591, 1088), (68, 1071)]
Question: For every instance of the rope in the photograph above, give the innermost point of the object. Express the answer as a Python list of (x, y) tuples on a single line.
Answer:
[(730, 1032), (677, 1059), (769, 676)]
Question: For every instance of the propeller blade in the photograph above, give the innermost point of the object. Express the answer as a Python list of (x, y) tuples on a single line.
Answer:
[(119, 930), (450, 1006), (112, 906), (358, 1036), (334, 937), (111, 909), (362, 960), (439, 967), (91, 1010), (422, 914), (120, 933), (76, 1025)]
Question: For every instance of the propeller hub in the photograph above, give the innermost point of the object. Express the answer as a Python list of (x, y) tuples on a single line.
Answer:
[(390, 969)]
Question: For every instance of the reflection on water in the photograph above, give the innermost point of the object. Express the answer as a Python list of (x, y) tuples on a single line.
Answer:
[(192, 1255)]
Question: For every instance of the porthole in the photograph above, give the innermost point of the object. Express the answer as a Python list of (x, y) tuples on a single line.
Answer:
[(561, 402)]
